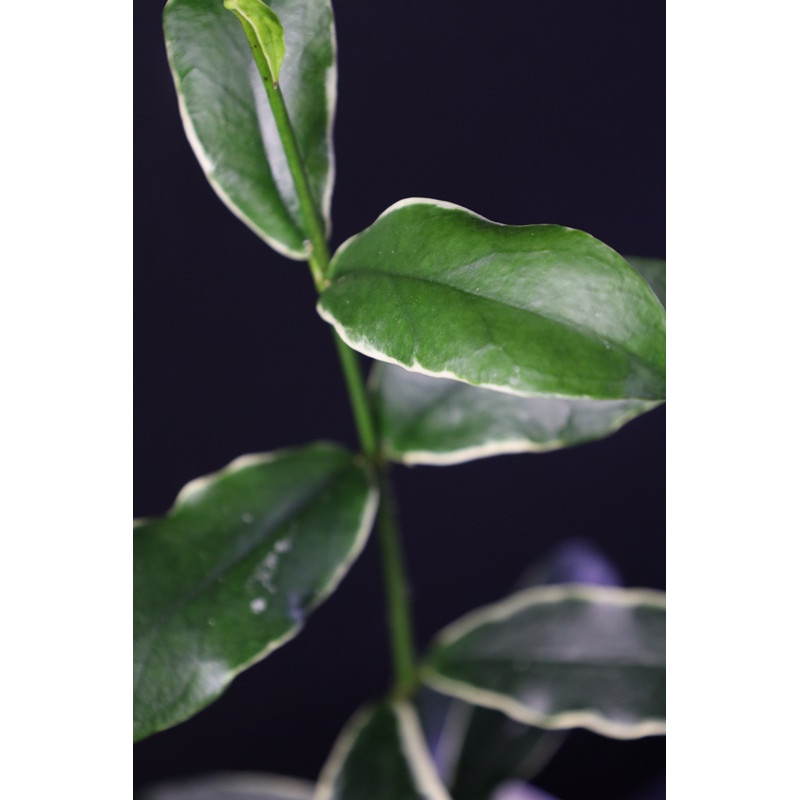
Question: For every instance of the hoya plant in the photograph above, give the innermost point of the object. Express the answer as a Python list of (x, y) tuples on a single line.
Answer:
[(459, 339)]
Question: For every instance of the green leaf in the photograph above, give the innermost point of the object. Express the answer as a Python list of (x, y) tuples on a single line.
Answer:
[(561, 657), (227, 117), (381, 753), (231, 786), (267, 29), (496, 748), (535, 310), (654, 271), (475, 749), (424, 420), (232, 571)]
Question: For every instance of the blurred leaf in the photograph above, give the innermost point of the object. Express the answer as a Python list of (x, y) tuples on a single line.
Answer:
[(529, 310), (234, 568), (227, 117), (231, 786), (474, 748), (561, 657), (381, 755), (571, 561), (496, 748), (517, 790)]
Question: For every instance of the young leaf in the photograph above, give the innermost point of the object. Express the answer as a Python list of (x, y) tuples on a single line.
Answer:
[(231, 786), (535, 310), (381, 753), (561, 657), (227, 118), (233, 570), (266, 28)]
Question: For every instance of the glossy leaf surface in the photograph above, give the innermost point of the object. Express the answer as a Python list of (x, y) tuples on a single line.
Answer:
[(232, 786), (227, 117), (424, 420), (381, 753), (561, 657), (232, 571), (528, 310)]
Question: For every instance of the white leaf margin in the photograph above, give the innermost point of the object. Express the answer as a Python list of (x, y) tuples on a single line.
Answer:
[(208, 166), (368, 348), (412, 740), (541, 595), (274, 787), (197, 487)]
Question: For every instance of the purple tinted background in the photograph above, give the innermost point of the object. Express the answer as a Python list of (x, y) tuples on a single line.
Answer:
[(523, 111)]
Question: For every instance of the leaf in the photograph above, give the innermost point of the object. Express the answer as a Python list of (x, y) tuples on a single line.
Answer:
[(439, 422), (535, 310), (653, 270), (381, 753), (475, 749), (232, 571), (573, 560), (561, 657), (227, 117), (495, 748), (267, 29), (232, 786), (435, 421), (516, 790)]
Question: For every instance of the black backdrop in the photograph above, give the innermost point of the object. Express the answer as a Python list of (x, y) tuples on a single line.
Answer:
[(524, 111)]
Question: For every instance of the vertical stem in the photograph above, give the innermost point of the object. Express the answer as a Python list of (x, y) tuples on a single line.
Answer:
[(395, 581), (358, 399), (396, 588), (314, 229)]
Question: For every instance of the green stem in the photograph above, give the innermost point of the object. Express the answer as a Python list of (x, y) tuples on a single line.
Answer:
[(395, 581), (319, 257), (396, 588), (358, 399)]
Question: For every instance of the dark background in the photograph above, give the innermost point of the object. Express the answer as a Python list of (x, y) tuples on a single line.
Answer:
[(525, 111)]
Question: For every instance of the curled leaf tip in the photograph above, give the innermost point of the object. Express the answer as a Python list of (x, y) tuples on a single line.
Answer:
[(263, 30)]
